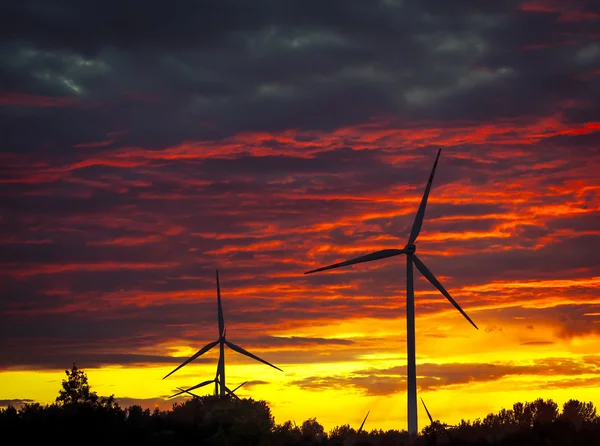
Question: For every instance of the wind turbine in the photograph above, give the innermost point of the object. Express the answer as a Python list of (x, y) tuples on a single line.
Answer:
[(188, 391), (222, 341), (411, 258), (433, 423), (363, 423), (204, 383)]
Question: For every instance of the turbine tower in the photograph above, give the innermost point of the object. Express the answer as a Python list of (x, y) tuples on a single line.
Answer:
[(222, 341), (411, 258)]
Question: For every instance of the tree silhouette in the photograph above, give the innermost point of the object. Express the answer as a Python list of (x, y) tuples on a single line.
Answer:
[(80, 415), (287, 433), (341, 435), (312, 432), (577, 413), (75, 389), (542, 411)]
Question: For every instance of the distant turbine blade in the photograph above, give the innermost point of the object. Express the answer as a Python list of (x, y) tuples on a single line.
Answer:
[(239, 386), (416, 228), (238, 349), (200, 352), (220, 308), (231, 393), (429, 275), (366, 258), (190, 393), (363, 423), (202, 384), (428, 414)]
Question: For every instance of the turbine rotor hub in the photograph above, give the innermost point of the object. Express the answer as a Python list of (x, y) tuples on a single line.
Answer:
[(410, 249)]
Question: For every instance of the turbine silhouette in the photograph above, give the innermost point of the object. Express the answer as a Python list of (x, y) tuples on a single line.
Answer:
[(363, 423), (222, 341), (411, 258), (188, 391), (204, 383), (434, 424)]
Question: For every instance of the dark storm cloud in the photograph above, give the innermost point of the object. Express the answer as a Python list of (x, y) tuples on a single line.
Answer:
[(271, 66), (58, 360), (136, 158), (50, 339)]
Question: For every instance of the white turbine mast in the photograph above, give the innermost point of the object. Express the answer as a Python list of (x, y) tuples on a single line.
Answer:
[(411, 258)]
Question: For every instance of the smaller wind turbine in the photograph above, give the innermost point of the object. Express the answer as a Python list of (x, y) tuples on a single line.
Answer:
[(222, 341), (205, 383), (229, 391), (189, 393), (433, 423), (363, 423)]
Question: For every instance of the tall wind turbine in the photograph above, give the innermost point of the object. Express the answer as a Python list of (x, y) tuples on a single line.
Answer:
[(222, 342), (411, 258)]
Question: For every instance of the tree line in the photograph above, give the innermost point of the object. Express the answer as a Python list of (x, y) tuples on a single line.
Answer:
[(80, 416)]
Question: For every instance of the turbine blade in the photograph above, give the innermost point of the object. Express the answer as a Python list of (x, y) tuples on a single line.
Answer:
[(231, 393), (238, 349), (202, 384), (363, 423), (429, 275), (366, 258), (200, 352), (220, 308), (239, 386), (428, 414), (416, 228), (190, 393)]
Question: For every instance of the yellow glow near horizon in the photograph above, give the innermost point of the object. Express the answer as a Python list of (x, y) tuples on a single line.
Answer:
[(331, 407), (527, 347), (378, 346)]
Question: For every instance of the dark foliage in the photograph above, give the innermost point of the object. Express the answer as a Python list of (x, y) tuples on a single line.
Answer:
[(81, 416)]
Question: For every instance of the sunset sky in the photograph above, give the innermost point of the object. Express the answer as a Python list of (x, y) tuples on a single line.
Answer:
[(143, 147)]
